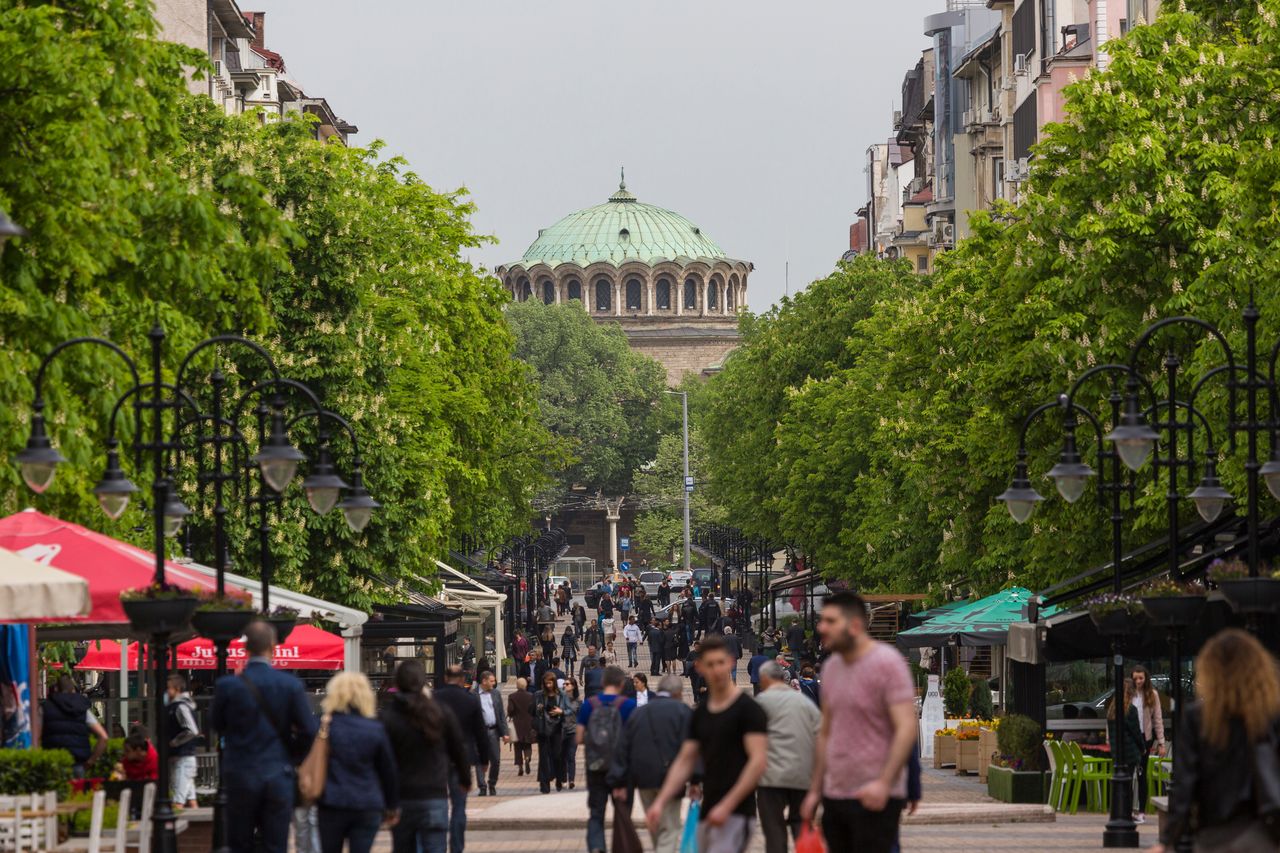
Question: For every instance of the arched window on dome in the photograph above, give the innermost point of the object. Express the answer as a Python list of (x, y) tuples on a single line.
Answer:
[(664, 294), (575, 289), (713, 292), (635, 295), (691, 294), (731, 296), (523, 289), (604, 294), (548, 292)]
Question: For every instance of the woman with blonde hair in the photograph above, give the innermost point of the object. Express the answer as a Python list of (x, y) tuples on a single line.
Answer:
[(361, 790), (1226, 771)]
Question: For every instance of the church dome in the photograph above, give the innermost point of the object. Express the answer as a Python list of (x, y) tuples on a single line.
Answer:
[(622, 229)]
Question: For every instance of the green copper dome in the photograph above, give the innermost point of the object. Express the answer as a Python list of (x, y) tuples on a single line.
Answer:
[(622, 229)]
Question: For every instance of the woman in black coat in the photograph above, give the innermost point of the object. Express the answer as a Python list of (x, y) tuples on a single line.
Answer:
[(549, 709), (568, 648), (520, 715), (427, 741), (1225, 766)]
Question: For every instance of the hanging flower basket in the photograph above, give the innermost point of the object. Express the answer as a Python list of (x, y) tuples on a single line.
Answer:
[(1115, 615), (1169, 604), (1251, 595), (158, 610), (284, 620), (221, 626)]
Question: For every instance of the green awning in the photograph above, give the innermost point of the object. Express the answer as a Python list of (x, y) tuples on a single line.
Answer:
[(984, 622), (914, 620)]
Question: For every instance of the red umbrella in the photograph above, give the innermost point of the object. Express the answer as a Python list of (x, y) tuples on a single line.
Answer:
[(307, 647), (109, 565)]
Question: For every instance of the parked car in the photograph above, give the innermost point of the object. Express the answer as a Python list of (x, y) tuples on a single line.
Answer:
[(555, 580), (679, 577), (651, 580), (705, 578), (1096, 708)]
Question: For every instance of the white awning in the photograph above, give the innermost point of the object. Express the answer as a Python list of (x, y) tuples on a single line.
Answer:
[(31, 590)]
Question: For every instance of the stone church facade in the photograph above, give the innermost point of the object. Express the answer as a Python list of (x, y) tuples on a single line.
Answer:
[(673, 290)]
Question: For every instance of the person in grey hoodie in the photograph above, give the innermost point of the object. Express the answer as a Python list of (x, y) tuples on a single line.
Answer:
[(793, 732), (648, 744)]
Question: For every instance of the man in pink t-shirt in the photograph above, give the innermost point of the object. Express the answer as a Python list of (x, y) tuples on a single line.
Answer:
[(868, 732)]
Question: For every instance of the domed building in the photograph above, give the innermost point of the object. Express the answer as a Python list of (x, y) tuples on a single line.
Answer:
[(675, 292)]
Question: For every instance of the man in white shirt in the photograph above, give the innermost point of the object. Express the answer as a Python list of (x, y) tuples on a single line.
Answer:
[(495, 726), (631, 633)]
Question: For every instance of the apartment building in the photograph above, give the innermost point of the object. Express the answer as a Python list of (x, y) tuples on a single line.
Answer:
[(974, 107), (247, 76)]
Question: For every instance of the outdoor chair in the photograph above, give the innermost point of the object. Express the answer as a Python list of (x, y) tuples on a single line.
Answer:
[(144, 822), (1159, 772), (97, 842), (1095, 775), (1056, 772)]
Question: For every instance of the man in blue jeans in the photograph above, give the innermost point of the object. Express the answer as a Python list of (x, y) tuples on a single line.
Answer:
[(465, 706), (266, 726)]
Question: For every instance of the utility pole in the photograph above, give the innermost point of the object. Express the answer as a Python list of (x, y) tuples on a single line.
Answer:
[(688, 481)]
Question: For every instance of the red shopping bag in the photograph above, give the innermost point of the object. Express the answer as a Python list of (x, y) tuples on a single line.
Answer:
[(810, 840)]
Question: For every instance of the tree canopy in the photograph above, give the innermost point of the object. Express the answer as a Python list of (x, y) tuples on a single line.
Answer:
[(147, 204), (881, 441), (601, 400)]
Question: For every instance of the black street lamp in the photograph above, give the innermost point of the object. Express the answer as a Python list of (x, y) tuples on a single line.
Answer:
[(193, 430), (39, 461), (1154, 432)]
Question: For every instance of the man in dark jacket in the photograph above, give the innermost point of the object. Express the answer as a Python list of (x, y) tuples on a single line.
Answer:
[(709, 616), (656, 640), (734, 646), (67, 722), (795, 639), (689, 618), (495, 724), (649, 743), (465, 706), (664, 593), (267, 728), (533, 669), (590, 660)]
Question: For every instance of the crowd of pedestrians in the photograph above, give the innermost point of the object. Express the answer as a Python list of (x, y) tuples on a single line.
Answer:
[(408, 758)]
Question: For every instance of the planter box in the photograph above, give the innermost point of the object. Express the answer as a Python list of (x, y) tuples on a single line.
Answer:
[(1252, 595), (966, 756), (1015, 786), (944, 751), (284, 626), (1176, 611), (986, 746)]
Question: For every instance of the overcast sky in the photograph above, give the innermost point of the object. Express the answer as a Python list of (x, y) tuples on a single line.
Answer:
[(751, 118)]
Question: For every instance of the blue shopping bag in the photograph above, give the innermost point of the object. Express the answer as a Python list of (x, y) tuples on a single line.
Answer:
[(689, 841)]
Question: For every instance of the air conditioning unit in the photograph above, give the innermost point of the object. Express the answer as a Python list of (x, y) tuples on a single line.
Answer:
[(948, 233), (968, 119), (1020, 63), (987, 117), (916, 185), (891, 253), (931, 239)]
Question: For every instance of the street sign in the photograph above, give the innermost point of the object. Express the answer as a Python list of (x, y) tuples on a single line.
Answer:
[(626, 565), (625, 543), (688, 482), (689, 488)]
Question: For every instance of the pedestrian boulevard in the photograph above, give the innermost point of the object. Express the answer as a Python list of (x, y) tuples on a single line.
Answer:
[(956, 813)]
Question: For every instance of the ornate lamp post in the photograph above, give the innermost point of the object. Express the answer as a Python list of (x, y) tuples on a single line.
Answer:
[(38, 463)]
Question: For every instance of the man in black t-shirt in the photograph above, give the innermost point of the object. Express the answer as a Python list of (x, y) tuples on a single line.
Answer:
[(729, 733)]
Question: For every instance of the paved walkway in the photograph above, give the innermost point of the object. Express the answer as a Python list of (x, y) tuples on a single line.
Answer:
[(955, 815)]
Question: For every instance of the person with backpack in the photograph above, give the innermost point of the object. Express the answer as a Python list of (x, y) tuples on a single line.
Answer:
[(650, 741), (267, 729), (600, 721)]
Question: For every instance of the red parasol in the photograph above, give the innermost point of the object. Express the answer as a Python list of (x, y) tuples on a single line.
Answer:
[(307, 647), (109, 565)]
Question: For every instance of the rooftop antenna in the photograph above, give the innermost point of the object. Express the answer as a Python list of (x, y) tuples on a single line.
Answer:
[(787, 279)]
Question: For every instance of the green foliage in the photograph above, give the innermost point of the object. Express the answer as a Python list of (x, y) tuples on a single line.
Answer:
[(659, 488), (598, 398), (873, 419), (980, 706), (147, 204), (1020, 739), (35, 771), (956, 688), (106, 763)]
